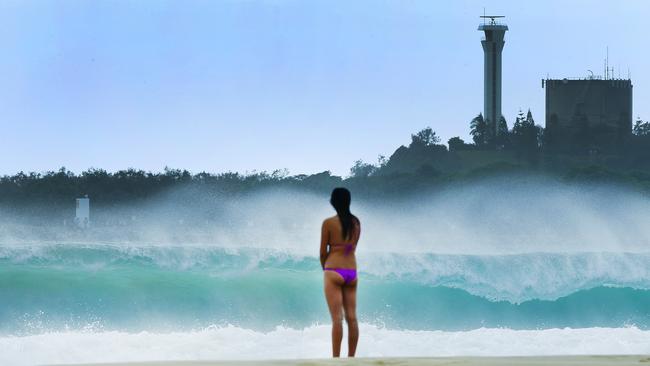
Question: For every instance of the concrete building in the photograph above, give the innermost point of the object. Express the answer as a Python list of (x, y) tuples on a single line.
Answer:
[(599, 105), (492, 47), (82, 212)]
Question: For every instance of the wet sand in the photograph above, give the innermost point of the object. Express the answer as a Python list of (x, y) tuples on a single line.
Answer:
[(639, 360)]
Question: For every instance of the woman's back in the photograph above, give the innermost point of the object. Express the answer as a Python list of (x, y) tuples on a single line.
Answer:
[(338, 241), (341, 250)]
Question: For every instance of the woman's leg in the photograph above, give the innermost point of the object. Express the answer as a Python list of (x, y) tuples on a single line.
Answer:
[(350, 307), (334, 296)]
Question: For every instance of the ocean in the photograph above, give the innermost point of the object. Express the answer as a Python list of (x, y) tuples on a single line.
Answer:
[(92, 302)]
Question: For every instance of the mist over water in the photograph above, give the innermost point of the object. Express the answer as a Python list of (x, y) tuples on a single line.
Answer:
[(517, 214)]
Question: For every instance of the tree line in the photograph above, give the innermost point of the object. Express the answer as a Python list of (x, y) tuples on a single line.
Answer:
[(423, 164)]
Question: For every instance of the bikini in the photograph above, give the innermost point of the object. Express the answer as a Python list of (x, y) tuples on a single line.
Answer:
[(348, 274)]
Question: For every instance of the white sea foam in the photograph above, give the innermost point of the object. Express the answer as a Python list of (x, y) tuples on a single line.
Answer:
[(517, 277), (313, 342), (528, 276)]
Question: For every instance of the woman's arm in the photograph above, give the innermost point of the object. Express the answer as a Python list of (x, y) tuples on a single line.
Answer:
[(358, 231), (324, 240)]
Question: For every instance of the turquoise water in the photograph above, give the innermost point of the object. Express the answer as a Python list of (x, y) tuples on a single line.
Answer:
[(46, 288)]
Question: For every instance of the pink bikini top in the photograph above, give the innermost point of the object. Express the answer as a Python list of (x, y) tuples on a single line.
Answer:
[(349, 247)]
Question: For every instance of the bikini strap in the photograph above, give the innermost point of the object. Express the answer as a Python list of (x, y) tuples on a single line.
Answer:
[(350, 246)]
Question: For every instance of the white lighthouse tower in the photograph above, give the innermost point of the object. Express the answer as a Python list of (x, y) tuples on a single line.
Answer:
[(82, 212)]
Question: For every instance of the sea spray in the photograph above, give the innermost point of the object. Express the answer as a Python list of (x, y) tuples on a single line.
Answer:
[(541, 267), (167, 288)]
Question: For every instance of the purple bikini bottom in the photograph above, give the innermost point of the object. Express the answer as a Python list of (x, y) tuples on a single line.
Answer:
[(348, 274)]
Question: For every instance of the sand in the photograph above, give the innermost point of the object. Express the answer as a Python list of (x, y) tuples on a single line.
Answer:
[(456, 361)]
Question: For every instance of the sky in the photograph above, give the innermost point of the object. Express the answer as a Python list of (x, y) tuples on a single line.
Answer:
[(307, 86)]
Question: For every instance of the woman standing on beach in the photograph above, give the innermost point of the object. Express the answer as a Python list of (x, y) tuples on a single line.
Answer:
[(339, 237)]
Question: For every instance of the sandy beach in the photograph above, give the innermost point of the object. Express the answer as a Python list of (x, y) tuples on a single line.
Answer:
[(415, 361)]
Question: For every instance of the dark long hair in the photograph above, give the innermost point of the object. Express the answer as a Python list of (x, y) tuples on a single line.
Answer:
[(340, 200)]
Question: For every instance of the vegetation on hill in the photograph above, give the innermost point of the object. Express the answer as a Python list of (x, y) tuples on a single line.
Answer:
[(425, 164)]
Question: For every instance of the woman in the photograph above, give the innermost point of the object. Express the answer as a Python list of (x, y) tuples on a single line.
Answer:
[(339, 237)]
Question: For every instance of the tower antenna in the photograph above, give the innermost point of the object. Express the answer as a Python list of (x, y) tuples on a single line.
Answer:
[(492, 18)]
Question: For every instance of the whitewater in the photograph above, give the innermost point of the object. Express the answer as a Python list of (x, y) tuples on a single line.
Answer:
[(560, 270), (84, 302)]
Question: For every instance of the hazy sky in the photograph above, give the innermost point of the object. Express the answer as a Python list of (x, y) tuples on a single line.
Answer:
[(304, 85)]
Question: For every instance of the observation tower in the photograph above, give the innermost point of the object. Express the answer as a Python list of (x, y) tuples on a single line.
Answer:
[(492, 47)]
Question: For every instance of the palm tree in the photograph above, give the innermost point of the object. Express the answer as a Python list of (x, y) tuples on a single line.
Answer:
[(478, 130)]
